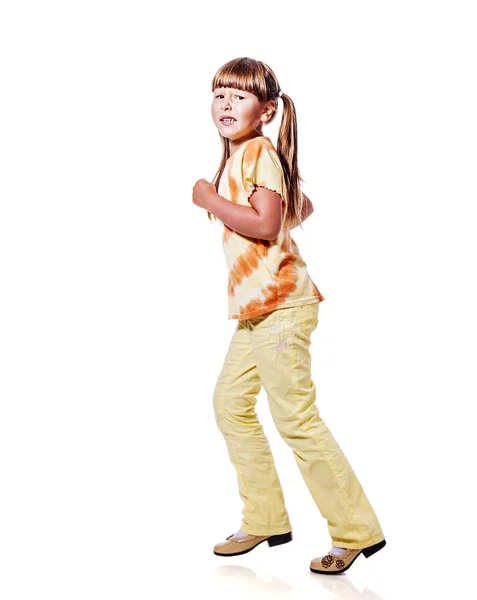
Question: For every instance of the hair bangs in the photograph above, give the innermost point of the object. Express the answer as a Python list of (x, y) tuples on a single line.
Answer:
[(241, 74)]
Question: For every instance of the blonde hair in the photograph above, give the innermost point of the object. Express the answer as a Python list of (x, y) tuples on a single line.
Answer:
[(257, 78)]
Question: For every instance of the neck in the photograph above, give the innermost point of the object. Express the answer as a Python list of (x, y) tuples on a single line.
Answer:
[(235, 144)]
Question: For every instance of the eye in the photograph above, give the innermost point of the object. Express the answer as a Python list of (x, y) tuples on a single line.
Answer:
[(236, 95)]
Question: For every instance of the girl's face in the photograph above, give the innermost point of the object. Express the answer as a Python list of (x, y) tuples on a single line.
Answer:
[(245, 111)]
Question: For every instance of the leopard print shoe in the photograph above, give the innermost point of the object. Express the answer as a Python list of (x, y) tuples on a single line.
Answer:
[(331, 564)]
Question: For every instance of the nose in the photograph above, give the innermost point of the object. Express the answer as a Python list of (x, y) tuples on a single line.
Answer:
[(225, 103)]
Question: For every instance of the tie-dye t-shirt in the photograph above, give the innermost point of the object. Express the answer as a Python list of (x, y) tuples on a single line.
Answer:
[(264, 275)]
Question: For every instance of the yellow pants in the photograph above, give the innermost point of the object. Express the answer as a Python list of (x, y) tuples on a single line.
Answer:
[(273, 350)]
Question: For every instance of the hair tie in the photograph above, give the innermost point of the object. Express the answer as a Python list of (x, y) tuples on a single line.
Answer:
[(280, 93)]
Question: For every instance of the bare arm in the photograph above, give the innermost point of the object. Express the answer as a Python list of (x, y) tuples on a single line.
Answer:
[(262, 220), (307, 207), (306, 210)]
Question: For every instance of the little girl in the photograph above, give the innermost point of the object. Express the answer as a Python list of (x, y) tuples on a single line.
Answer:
[(256, 196)]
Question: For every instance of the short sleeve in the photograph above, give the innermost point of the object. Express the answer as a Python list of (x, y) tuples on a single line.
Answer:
[(261, 167)]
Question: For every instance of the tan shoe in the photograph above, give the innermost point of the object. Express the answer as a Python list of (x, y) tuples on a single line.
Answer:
[(332, 564), (234, 546)]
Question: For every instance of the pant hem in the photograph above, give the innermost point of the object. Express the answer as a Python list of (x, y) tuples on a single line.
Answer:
[(278, 531), (358, 545)]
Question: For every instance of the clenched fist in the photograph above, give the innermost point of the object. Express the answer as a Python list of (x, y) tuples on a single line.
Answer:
[(201, 192)]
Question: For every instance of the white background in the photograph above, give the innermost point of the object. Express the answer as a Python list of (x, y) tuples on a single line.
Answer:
[(114, 478)]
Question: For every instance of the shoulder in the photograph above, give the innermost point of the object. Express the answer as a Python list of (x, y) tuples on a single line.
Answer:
[(258, 144), (260, 149)]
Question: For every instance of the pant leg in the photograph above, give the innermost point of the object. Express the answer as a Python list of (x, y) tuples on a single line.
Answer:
[(281, 346), (238, 384)]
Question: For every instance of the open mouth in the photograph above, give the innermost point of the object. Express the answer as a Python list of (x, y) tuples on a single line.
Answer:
[(227, 121)]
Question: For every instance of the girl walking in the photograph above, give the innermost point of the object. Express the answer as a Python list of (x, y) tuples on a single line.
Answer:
[(256, 196)]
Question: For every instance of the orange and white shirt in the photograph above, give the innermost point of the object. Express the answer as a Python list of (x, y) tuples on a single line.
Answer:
[(264, 275)]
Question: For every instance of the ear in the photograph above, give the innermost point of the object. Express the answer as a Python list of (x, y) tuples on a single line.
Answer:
[(268, 110)]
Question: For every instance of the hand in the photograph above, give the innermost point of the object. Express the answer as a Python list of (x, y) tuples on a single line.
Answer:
[(201, 192)]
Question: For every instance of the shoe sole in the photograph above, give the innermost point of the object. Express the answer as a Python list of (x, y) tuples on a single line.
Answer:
[(369, 551), (273, 540)]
